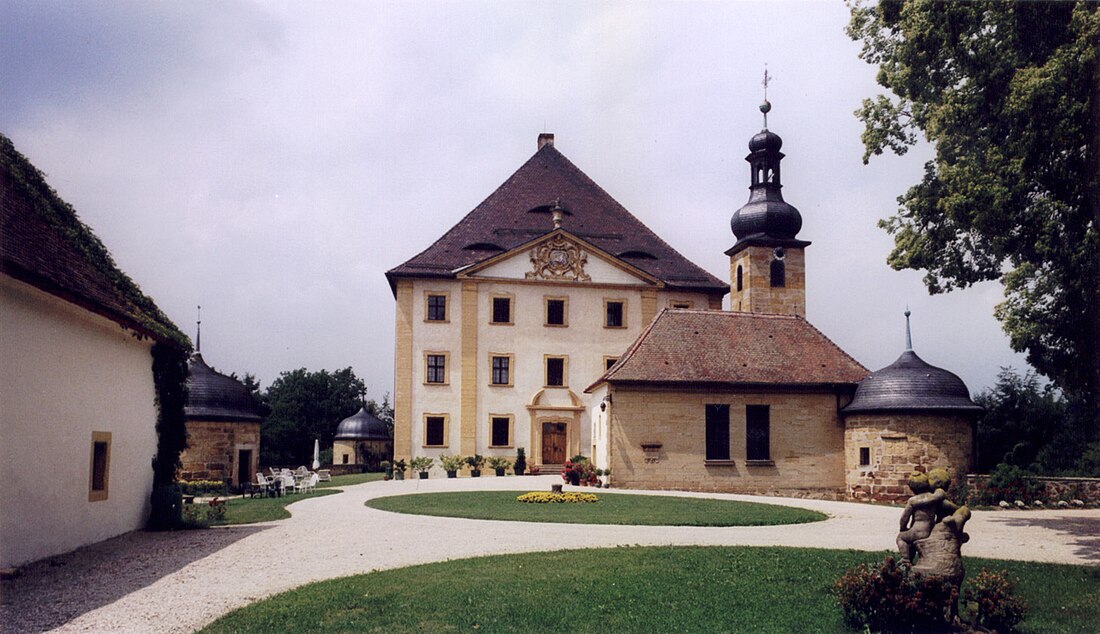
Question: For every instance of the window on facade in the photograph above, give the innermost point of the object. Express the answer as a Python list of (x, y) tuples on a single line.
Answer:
[(437, 368), (437, 308), (501, 371), (555, 371), (608, 362), (502, 310), (680, 304), (434, 431), (615, 314), (757, 433), (555, 312), (100, 467), (718, 432), (779, 274), (501, 431), (739, 278), (864, 456)]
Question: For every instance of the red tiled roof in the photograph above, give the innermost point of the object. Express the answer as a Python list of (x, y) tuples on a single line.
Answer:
[(44, 243), (703, 347), (518, 212)]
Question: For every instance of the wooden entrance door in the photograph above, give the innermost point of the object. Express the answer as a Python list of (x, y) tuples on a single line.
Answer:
[(244, 466), (553, 443)]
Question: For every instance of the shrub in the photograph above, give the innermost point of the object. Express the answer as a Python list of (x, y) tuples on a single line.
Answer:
[(995, 606), (891, 598), (475, 461), (1009, 482), (544, 497), (421, 463), (201, 487), (451, 463)]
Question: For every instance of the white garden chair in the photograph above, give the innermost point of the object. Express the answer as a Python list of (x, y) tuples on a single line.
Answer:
[(306, 484)]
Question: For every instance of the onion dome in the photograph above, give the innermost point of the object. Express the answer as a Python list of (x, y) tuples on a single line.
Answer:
[(766, 219), (362, 426), (213, 396), (912, 385)]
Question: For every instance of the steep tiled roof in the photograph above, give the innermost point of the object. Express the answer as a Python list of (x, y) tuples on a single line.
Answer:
[(519, 211), (44, 243), (702, 347)]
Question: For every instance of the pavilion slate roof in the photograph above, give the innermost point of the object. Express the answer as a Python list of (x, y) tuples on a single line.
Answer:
[(519, 211), (719, 348), (44, 243)]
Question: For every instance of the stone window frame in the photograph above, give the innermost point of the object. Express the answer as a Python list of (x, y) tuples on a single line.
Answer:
[(493, 356), (446, 307), (682, 304), (546, 299), (99, 464), (721, 430), (446, 434), (756, 460), (428, 368), (607, 316), (564, 370), (865, 456), (609, 361), (511, 309), (511, 430), (740, 278)]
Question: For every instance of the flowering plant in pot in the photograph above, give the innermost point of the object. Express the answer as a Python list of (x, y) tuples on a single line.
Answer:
[(475, 461), (451, 464), (570, 473), (499, 464), (421, 464), (387, 470), (521, 461)]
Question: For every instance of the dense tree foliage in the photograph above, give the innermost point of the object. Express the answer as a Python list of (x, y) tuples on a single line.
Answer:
[(1008, 93), (1030, 425), (304, 406)]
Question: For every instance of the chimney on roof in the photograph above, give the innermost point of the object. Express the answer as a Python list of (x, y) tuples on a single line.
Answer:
[(546, 139)]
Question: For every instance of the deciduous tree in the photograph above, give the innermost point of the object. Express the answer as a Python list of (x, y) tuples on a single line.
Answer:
[(1008, 93)]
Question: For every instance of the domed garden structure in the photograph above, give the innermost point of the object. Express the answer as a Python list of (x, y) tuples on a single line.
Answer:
[(906, 415), (363, 439), (223, 427)]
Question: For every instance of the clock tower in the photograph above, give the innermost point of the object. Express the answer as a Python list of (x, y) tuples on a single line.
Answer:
[(768, 262)]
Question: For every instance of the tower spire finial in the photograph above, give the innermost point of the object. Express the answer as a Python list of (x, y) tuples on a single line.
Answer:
[(908, 333), (766, 106), (198, 330)]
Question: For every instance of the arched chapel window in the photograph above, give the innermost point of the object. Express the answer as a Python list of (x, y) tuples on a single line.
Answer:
[(779, 274)]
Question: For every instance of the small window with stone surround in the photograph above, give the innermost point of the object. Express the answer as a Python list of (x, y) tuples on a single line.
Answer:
[(864, 456)]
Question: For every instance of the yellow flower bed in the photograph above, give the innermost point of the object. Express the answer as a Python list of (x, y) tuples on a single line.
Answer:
[(543, 497)]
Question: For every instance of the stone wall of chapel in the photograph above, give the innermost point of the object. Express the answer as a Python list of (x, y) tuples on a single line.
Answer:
[(806, 443), (757, 294), (898, 443)]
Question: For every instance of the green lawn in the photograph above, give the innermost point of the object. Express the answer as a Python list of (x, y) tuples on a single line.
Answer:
[(613, 508), (694, 589), (252, 510), (348, 480)]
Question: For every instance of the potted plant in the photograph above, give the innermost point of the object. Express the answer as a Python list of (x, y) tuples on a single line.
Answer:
[(475, 461), (499, 464), (421, 464), (387, 470), (451, 464), (521, 462), (399, 469), (607, 478), (570, 473)]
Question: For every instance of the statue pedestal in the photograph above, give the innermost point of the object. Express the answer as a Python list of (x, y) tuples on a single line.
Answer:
[(940, 554)]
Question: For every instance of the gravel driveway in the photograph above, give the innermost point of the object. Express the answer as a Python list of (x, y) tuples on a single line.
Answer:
[(178, 582)]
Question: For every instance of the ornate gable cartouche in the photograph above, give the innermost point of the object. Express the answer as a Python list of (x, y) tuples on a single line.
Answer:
[(558, 259)]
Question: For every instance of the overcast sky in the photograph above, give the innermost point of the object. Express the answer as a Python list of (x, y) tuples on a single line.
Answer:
[(270, 161)]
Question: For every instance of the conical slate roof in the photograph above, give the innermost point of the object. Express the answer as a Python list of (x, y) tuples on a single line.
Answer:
[(212, 396), (909, 384), (362, 426), (520, 210)]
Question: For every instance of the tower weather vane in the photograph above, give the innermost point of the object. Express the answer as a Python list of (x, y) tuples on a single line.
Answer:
[(766, 106)]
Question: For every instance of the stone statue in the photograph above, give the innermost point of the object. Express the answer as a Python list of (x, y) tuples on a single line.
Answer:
[(932, 525)]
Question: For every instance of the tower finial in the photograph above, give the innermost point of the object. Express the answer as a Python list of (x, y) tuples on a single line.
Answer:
[(908, 333), (766, 106), (198, 330)]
